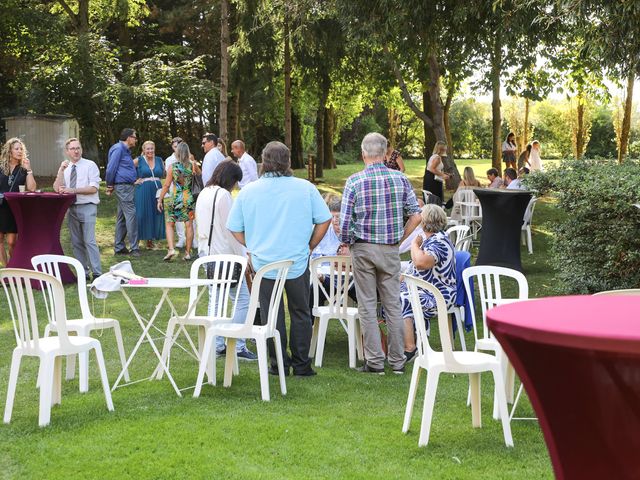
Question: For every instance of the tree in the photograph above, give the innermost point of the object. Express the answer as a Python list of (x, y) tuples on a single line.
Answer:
[(225, 41)]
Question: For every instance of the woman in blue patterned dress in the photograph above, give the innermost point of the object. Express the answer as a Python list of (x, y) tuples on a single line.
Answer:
[(150, 170), (432, 259)]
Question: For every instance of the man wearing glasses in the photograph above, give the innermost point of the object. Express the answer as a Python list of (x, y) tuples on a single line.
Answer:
[(121, 176), (212, 157)]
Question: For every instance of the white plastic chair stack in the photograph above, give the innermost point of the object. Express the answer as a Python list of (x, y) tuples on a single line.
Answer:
[(460, 236), (83, 327), (526, 224), (17, 285), (448, 361), (232, 331), (222, 310), (489, 282), (339, 271)]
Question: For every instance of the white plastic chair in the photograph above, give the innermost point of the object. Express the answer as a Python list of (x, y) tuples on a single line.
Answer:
[(18, 287), (219, 295), (526, 224), (260, 333), (460, 236), (83, 327), (489, 280), (448, 361), (470, 210), (340, 273)]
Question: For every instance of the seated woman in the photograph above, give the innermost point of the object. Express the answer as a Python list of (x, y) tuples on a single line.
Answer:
[(432, 259), (468, 181)]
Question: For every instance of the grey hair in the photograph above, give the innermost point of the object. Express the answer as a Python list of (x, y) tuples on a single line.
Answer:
[(434, 218), (276, 159), (374, 145)]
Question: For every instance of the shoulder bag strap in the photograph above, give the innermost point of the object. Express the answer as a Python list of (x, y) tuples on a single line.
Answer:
[(213, 214)]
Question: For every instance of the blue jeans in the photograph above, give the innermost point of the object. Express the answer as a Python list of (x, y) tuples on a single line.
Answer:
[(240, 315)]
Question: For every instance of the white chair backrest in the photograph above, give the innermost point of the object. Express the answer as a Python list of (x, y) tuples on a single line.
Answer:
[(340, 273), (424, 347), (470, 207), (487, 280), (625, 292), (50, 264), (281, 268), (528, 213), (19, 290), (460, 236), (223, 267)]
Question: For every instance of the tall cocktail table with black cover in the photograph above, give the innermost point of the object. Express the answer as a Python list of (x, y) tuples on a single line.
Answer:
[(39, 218), (502, 215)]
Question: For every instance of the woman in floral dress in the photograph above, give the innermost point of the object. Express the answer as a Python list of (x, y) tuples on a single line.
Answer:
[(181, 206), (432, 259)]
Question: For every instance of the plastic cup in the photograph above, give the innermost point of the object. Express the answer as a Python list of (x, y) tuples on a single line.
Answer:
[(21, 188)]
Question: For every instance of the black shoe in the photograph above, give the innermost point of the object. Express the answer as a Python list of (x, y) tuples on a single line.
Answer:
[(135, 253), (274, 371), (310, 372), (410, 356), (124, 251), (367, 369), (399, 371), (221, 353)]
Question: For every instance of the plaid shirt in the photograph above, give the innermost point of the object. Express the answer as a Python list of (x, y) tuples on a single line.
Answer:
[(374, 203)]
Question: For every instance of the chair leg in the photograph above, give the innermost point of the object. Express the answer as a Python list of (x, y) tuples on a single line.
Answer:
[(359, 345), (120, 344), (314, 338), (261, 347), (459, 315), (11, 389), (280, 361), (427, 408), (202, 335), (206, 353), (529, 241), (510, 382), (413, 390), (322, 336), (502, 406), (83, 367), (103, 376), (230, 358), (476, 418), (56, 392), (166, 348), (351, 338), (46, 385), (71, 367)]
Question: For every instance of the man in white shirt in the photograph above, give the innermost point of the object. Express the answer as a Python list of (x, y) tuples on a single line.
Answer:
[(512, 181), (246, 162), (212, 157), (81, 177), (167, 163)]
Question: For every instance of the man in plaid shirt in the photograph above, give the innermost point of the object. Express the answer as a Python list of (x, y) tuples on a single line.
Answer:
[(374, 204)]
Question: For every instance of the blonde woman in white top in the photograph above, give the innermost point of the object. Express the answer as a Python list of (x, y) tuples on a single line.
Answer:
[(218, 189), (434, 175), (534, 157)]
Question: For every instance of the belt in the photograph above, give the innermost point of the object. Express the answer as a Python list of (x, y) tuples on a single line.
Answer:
[(124, 183), (359, 240)]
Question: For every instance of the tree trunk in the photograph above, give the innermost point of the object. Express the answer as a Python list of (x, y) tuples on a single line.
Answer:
[(329, 118), (526, 124), (287, 86), (319, 141), (225, 41), (496, 119), (580, 129), (429, 135), (297, 160), (234, 117), (626, 120), (173, 125)]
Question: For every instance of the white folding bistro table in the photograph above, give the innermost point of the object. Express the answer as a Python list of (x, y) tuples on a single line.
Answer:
[(165, 285)]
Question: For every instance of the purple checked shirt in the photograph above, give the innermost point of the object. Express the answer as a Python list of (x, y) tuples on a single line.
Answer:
[(374, 204)]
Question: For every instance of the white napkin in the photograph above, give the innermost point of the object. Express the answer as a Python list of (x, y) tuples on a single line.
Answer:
[(111, 281)]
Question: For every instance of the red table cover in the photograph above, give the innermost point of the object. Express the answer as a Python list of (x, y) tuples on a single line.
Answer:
[(39, 218), (579, 360)]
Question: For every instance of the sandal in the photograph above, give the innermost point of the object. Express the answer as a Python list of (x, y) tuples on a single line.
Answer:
[(170, 255), (187, 257)]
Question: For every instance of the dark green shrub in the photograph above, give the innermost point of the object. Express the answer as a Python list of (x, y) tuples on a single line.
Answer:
[(596, 244)]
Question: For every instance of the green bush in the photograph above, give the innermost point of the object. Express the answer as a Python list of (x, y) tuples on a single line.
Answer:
[(596, 244)]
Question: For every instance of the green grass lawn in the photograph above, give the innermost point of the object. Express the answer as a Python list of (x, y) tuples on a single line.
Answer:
[(339, 424)]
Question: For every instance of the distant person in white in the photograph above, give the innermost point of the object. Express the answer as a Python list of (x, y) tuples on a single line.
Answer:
[(212, 157), (512, 181), (167, 163), (82, 177), (246, 162)]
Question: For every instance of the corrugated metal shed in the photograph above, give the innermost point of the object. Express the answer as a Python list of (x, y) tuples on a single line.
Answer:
[(44, 136)]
